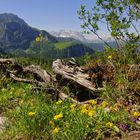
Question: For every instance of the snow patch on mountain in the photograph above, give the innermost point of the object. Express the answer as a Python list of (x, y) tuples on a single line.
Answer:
[(87, 38)]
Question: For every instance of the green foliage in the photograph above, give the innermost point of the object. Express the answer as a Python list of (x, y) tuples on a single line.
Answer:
[(63, 45), (32, 115), (85, 59), (54, 50), (120, 18), (45, 63)]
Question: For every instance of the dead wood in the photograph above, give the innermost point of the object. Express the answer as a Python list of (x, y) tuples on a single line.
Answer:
[(7, 61), (27, 81), (43, 79), (39, 73), (73, 74)]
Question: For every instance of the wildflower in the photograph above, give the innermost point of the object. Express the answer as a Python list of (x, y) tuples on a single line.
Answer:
[(37, 39), (93, 102), (91, 113), (87, 126), (134, 120), (111, 107), (109, 57), (84, 106), (73, 106), (56, 130), (31, 114), (104, 104), (124, 127), (52, 123), (58, 117), (84, 110), (59, 102), (136, 114), (109, 124)]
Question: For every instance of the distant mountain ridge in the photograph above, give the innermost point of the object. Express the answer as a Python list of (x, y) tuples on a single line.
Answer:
[(69, 34), (16, 37), (15, 33), (86, 38)]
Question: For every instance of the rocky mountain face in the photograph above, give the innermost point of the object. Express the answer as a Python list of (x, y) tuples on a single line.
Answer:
[(15, 33)]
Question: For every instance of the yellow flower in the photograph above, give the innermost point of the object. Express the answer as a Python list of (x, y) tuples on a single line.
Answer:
[(91, 113), (58, 117), (73, 106), (85, 106), (93, 102), (56, 130), (84, 110), (52, 123), (37, 39), (87, 126), (136, 114), (59, 102), (31, 114), (109, 124), (109, 57), (104, 104)]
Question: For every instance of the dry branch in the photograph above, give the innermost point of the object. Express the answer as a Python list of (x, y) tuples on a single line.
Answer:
[(40, 73), (27, 81)]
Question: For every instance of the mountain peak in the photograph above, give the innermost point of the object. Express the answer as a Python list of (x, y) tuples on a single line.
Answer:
[(9, 17), (15, 32)]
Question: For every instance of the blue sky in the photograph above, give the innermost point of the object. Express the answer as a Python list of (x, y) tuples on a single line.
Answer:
[(46, 14)]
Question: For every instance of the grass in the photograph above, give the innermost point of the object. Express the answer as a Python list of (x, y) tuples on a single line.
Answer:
[(33, 115), (63, 45)]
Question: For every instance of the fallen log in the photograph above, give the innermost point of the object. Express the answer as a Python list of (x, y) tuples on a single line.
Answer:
[(43, 79), (73, 74), (39, 73)]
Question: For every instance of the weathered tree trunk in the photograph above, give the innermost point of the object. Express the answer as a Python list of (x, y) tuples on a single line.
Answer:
[(73, 74)]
